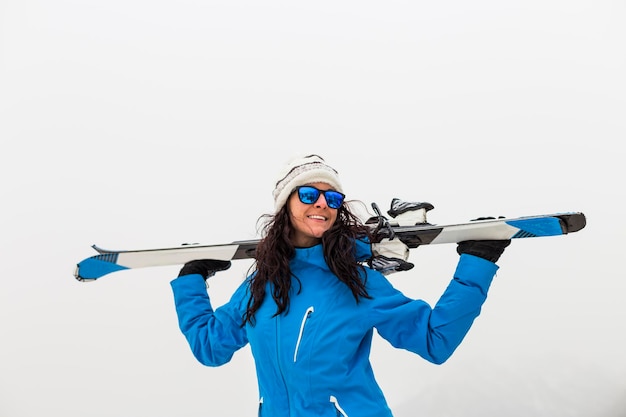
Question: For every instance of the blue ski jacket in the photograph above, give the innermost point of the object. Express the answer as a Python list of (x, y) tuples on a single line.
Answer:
[(314, 359)]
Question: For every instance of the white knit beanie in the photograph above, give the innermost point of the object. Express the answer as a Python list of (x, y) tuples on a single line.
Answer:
[(301, 171)]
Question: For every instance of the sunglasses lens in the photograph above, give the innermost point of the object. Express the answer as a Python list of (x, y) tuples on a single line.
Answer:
[(333, 199), (308, 195)]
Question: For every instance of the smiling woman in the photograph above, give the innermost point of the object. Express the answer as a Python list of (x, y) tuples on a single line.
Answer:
[(312, 219), (313, 208), (310, 306)]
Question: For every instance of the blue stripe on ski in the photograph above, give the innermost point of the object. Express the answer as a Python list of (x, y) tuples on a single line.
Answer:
[(99, 265), (547, 226)]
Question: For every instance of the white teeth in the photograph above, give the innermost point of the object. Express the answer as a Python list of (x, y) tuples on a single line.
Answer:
[(317, 217)]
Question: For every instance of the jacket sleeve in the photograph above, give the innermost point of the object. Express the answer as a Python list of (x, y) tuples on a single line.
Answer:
[(214, 336), (435, 333)]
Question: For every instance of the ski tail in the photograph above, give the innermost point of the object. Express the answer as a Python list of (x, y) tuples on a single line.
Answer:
[(92, 268), (108, 261), (572, 222), (559, 224)]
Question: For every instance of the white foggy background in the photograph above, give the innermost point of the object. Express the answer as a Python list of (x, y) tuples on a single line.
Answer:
[(137, 123)]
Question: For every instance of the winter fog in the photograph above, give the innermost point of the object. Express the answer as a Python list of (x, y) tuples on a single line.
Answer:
[(136, 124)]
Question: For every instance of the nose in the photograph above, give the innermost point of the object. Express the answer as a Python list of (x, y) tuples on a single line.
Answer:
[(321, 201)]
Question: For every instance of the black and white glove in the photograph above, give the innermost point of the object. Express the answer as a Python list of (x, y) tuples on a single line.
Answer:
[(205, 267), (387, 266), (389, 256), (490, 250)]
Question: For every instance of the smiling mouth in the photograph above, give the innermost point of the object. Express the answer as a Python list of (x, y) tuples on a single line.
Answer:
[(316, 217)]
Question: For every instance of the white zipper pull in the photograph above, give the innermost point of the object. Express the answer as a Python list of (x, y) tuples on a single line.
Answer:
[(308, 313)]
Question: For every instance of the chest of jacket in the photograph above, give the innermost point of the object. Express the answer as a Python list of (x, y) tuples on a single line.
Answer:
[(322, 313)]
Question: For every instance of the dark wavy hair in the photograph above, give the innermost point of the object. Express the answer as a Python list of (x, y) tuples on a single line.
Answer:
[(275, 251)]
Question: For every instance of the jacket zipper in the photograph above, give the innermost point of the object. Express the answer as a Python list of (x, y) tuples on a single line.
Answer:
[(340, 412), (307, 314)]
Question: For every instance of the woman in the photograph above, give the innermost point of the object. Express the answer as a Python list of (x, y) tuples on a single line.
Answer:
[(310, 306)]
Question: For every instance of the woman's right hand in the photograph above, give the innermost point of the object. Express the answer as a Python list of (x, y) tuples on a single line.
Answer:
[(205, 267)]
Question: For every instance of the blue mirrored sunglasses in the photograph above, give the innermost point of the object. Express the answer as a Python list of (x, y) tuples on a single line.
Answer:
[(309, 195)]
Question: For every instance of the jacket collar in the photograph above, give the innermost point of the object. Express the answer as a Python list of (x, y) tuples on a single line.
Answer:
[(315, 254)]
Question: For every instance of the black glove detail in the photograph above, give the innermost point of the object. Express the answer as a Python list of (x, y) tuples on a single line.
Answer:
[(205, 267), (490, 250), (486, 249)]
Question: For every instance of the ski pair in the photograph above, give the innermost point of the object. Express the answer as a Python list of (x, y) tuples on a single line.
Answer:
[(408, 225)]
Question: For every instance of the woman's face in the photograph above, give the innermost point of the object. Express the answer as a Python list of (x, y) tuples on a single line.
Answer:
[(310, 221)]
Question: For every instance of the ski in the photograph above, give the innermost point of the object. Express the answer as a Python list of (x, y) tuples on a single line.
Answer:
[(413, 235)]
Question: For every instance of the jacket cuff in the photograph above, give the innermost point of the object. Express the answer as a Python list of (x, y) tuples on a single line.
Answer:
[(475, 271)]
